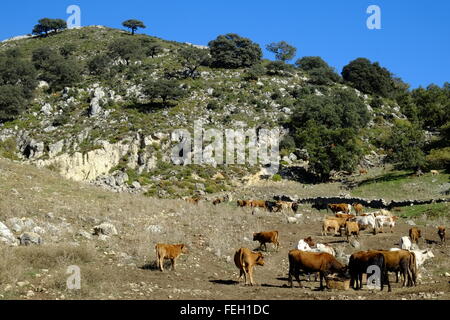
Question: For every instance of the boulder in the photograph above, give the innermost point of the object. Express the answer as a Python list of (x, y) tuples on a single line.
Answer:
[(6, 236), (105, 228), (30, 238)]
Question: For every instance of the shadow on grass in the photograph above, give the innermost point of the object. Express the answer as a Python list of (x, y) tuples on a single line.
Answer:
[(152, 266), (149, 107), (385, 178), (225, 282)]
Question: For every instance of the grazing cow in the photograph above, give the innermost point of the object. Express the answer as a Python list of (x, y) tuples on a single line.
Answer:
[(405, 243), (193, 200), (415, 234), (403, 262), (367, 221), (284, 205), (351, 229), (362, 171), (341, 207), (222, 199), (385, 221), (273, 206), (330, 224), (266, 237), (246, 260), (311, 262), (358, 208), (359, 263), (434, 172), (168, 251), (243, 203), (257, 204), (441, 233)]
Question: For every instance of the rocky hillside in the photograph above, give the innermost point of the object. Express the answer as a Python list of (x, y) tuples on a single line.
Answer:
[(104, 130)]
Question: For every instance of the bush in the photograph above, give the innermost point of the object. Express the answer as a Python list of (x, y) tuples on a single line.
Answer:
[(369, 77), (320, 73), (192, 58), (99, 64), (279, 68), (277, 178), (12, 102), (439, 158), (128, 49), (163, 89), (233, 51), (255, 72)]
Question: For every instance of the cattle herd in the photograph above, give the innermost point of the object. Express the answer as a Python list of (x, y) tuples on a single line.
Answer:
[(310, 258)]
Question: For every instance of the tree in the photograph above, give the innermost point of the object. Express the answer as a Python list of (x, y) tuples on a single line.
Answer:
[(405, 145), (280, 68), (12, 102), (126, 49), (255, 72), (16, 71), (150, 47), (46, 25), (319, 72), (67, 49), (283, 51), (232, 51), (163, 89), (192, 58), (99, 64), (370, 77), (58, 71), (133, 25), (433, 105)]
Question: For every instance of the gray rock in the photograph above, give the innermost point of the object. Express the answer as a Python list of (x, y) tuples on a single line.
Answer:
[(105, 228), (30, 238), (84, 234), (355, 244), (121, 178), (6, 236), (136, 185), (410, 222), (55, 148), (47, 109)]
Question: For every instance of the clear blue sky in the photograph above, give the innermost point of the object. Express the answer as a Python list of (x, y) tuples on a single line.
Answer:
[(414, 42)]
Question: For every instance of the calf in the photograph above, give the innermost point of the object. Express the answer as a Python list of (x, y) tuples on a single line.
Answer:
[(290, 206), (266, 237), (330, 224), (341, 207), (358, 208), (311, 262), (434, 172), (405, 243), (366, 221), (359, 263), (168, 251), (401, 261), (351, 228), (441, 234), (385, 221), (245, 260), (415, 234)]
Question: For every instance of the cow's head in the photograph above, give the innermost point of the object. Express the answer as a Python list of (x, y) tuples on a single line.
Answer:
[(255, 236), (184, 249), (260, 259)]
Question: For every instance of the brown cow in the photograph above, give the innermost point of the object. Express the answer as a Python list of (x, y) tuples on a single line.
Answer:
[(341, 207), (401, 261), (415, 234), (330, 224), (309, 241), (245, 260), (220, 200), (362, 171), (288, 205), (348, 217), (351, 228), (168, 251), (358, 208), (193, 200), (312, 262), (243, 203), (257, 203), (266, 237), (441, 233), (359, 264)]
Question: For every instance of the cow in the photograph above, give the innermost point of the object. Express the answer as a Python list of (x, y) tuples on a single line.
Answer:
[(415, 234), (441, 234), (273, 206), (309, 241), (403, 262), (311, 262), (385, 221), (341, 207), (330, 224), (421, 256), (405, 243), (245, 260), (220, 200), (194, 200), (243, 203), (348, 217), (360, 262), (168, 251), (266, 237), (351, 228), (367, 221), (257, 204), (358, 208), (288, 206), (434, 172), (362, 171)]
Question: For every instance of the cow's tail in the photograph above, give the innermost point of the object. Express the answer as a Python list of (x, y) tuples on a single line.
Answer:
[(276, 238), (413, 267)]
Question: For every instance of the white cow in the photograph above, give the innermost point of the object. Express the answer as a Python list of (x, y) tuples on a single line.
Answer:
[(303, 246), (385, 221), (405, 243), (366, 221)]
